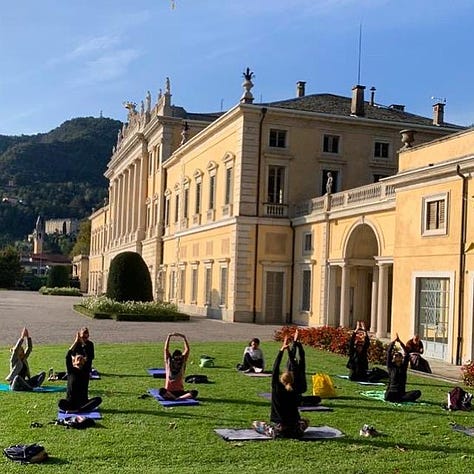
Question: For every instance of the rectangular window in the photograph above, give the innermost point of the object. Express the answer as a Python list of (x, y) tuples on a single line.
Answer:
[(171, 295), (212, 191), (434, 219), (197, 207), (176, 209), (223, 286), (208, 286), (228, 186), (194, 285), (308, 242), (167, 211), (148, 216), (185, 203), (182, 284), (381, 149), (155, 213), (331, 144), (276, 183), (305, 290), (433, 309), (277, 138)]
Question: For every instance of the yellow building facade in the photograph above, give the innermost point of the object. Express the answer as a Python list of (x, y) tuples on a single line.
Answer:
[(268, 213)]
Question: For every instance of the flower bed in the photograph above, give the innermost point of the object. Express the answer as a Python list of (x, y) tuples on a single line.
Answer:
[(64, 291), (104, 308), (333, 339)]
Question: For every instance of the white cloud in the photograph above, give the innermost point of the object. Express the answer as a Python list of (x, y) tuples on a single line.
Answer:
[(106, 67)]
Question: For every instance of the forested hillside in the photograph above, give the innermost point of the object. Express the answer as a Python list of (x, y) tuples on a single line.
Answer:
[(56, 174)]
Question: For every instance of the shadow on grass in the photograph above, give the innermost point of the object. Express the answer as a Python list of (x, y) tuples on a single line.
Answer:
[(236, 401), (56, 461), (400, 446)]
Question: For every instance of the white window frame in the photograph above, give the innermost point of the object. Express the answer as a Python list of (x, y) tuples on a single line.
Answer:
[(443, 228), (381, 143)]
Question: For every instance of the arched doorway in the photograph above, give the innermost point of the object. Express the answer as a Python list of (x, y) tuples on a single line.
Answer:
[(361, 283)]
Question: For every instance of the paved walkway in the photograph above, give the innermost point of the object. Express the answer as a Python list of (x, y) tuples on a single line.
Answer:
[(51, 320)]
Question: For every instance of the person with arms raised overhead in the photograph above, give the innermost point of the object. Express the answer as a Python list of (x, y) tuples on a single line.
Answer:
[(19, 376)]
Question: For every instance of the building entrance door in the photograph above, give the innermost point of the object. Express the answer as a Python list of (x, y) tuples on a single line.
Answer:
[(274, 297)]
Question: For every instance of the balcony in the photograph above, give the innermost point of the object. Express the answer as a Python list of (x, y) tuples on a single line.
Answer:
[(275, 210)]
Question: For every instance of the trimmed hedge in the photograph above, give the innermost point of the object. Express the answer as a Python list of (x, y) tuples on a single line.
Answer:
[(58, 276), (129, 278)]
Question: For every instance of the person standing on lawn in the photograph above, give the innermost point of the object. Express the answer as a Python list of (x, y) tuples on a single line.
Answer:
[(77, 395), (285, 419), (19, 376), (175, 367), (397, 366)]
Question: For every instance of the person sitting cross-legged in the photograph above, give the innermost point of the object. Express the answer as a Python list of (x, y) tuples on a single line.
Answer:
[(397, 366), (77, 396), (175, 367), (19, 376)]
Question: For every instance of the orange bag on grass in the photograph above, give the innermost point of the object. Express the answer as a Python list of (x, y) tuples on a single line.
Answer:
[(323, 386)]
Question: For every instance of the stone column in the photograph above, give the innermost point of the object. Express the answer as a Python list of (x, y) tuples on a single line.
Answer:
[(142, 192), (115, 221), (345, 295), (373, 300), (382, 300), (122, 207)]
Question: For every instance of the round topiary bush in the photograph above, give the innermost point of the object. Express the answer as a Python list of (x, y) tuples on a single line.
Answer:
[(129, 278)]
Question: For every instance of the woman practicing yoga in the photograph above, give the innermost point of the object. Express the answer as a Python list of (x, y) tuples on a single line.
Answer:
[(86, 348), (175, 366), (415, 349), (285, 418), (397, 365), (77, 396), (19, 376), (253, 360), (358, 363)]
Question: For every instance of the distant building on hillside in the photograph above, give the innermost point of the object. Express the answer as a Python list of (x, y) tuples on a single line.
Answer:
[(62, 226)]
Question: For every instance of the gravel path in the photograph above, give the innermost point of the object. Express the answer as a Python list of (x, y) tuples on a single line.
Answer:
[(51, 319)]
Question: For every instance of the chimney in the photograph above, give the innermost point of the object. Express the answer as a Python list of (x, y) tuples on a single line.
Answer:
[(438, 113), (372, 95), (357, 105), (399, 107), (300, 88)]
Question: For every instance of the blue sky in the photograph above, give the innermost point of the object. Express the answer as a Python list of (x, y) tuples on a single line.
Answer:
[(65, 59)]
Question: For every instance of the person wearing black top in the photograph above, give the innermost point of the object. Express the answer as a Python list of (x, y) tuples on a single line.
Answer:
[(284, 417), (297, 365), (397, 365), (85, 348), (358, 363), (77, 396)]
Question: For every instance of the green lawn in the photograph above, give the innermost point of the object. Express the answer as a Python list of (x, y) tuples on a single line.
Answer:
[(135, 435)]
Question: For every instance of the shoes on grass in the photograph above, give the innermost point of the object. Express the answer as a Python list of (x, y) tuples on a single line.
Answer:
[(368, 431)]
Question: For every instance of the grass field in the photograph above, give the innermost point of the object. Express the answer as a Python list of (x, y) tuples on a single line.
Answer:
[(136, 435)]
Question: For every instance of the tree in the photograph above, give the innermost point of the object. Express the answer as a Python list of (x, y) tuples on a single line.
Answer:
[(58, 276), (83, 239), (129, 278), (10, 267)]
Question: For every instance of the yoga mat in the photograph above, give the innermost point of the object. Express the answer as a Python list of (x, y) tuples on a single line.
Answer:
[(312, 433), (157, 373), (268, 396), (257, 374), (4, 387), (171, 403), (95, 415), (94, 375), (463, 429), (380, 395), (360, 382)]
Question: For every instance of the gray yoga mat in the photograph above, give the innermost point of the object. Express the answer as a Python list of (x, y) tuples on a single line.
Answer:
[(360, 382), (312, 433)]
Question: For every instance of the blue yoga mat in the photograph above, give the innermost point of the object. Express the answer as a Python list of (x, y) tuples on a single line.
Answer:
[(157, 373), (154, 392), (95, 415), (4, 387)]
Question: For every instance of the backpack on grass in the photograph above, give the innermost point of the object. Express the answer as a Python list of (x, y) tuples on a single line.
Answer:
[(26, 453), (78, 422), (459, 399)]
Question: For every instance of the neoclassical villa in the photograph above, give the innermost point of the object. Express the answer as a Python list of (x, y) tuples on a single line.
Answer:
[(319, 209)]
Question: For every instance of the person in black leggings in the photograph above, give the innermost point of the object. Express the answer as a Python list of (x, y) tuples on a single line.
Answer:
[(397, 366), (77, 395)]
